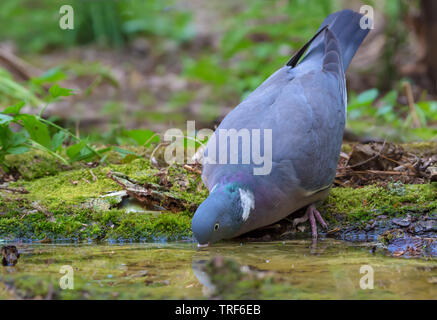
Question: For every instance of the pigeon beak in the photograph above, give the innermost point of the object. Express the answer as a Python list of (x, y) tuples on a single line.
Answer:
[(202, 245)]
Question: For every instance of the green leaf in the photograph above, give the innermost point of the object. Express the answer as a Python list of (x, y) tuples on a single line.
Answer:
[(421, 115), (57, 140), (390, 98), (18, 138), (123, 151), (80, 151), (429, 108), (5, 136), (18, 150), (56, 91), (4, 118), (142, 136), (15, 109), (367, 96), (74, 151), (51, 75), (37, 130), (384, 110)]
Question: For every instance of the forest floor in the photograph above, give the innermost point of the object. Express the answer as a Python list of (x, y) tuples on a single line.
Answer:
[(383, 193)]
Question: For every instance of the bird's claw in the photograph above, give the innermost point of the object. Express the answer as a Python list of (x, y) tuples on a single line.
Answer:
[(313, 214)]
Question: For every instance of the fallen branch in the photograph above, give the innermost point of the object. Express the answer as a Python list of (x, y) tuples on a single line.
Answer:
[(151, 195), (191, 169), (22, 68), (17, 190)]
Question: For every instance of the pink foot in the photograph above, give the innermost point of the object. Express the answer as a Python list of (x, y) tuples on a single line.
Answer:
[(313, 214)]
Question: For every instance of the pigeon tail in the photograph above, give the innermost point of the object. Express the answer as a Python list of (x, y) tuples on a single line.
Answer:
[(345, 25)]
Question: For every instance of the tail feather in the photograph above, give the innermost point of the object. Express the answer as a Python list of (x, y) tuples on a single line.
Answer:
[(345, 25), (295, 59)]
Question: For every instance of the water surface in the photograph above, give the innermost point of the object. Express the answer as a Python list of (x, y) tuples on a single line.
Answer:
[(176, 271)]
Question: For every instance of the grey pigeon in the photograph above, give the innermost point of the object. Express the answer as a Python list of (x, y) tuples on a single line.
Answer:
[(304, 105)]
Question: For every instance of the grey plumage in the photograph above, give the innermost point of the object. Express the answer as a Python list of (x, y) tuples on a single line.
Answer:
[(304, 103)]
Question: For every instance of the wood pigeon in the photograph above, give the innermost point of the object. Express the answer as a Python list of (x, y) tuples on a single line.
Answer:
[(300, 111)]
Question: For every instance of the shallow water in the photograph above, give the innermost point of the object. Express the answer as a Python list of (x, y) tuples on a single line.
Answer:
[(174, 270)]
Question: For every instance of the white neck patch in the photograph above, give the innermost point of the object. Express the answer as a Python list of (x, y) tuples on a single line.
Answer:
[(247, 202), (213, 188)]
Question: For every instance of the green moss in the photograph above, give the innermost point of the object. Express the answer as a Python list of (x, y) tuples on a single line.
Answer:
[(77, 224), (346, 147), (370, 201), (68, 205), (33, 164), (423, 149), (182, 183), (169, 226), (68, 188)]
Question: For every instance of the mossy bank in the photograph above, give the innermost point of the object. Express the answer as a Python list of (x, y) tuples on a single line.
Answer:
[(73, 203)]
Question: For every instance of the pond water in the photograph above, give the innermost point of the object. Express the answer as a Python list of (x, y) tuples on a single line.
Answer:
[(329, 270)]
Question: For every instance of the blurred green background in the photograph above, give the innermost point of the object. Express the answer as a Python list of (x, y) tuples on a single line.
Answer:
[(153, 64)]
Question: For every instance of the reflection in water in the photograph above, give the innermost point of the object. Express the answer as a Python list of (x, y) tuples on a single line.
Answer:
[(198, 267), (287, 270), (327, 269)]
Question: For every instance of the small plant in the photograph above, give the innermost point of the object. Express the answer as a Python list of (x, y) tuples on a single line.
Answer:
[(20, 132), (386, 110), (36, 132)]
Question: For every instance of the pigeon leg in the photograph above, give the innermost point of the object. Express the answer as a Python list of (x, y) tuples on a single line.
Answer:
[(313, 223), (313, 215), (300, 220), (319, 218)]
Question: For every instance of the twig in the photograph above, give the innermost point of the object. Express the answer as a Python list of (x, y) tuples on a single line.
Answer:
[(410, 98), (77, 129), (339, 182), (21, 190), (93, 175), (390, 159), (191, 169)]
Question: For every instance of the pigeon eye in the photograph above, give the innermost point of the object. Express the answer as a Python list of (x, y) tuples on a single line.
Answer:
[(216, 226)]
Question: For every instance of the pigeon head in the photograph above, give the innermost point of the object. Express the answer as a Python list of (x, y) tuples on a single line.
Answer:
[(223, 213)]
